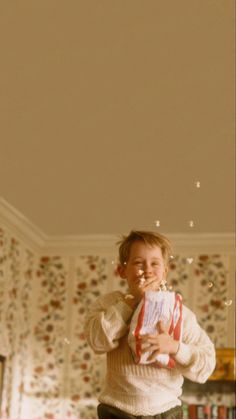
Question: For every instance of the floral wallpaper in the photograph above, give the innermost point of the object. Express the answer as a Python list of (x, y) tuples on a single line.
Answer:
[(48, 333), (203, 282), (11, 320), (211, 303), (85, 368), (51, 373)]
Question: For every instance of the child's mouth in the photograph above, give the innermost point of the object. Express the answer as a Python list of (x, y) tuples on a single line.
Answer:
[(142, 279)]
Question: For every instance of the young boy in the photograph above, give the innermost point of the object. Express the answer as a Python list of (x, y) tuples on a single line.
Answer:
[(140, 390)]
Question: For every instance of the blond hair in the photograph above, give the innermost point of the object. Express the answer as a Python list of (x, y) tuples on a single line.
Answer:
[(147, 237)]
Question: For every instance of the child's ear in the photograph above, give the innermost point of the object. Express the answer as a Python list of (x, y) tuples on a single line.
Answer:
[(121, 271)]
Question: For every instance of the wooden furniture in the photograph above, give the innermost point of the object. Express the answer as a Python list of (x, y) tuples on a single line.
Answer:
[(225, 365)]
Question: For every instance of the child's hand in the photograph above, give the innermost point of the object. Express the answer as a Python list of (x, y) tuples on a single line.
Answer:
[(161, 343), (150, 284)]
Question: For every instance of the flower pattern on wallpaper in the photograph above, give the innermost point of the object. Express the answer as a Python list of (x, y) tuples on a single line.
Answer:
[(22, 344), (49, 332), (51, 371), (85, 368), (179, 276), (211, 276), (11, 320)]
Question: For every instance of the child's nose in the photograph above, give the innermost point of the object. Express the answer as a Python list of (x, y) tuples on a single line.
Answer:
[(147, 268)]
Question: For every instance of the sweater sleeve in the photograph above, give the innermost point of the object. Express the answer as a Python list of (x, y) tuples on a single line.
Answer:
[(196, 353), (107, 322)]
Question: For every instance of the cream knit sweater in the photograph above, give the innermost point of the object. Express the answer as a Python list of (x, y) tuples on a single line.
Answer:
[(144, 389)]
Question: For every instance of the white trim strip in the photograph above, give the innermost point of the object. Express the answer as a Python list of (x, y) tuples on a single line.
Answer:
[(25, 230)]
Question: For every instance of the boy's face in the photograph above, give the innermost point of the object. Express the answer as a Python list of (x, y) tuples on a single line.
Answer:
[(144, 262)]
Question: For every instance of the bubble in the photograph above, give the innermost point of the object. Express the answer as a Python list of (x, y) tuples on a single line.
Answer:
[(191, 223), (198, 184), (157, 223), (210, 284), (172, 257), (228, 303)]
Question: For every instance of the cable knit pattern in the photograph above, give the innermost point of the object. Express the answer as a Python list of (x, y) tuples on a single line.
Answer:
[(144, 389)]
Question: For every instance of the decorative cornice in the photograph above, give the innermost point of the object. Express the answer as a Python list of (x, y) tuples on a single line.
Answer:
[(214, 242), (20, 226), (26, 231), (208, 242)]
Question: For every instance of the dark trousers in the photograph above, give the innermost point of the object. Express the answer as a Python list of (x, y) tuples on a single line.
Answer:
[(109, 412)]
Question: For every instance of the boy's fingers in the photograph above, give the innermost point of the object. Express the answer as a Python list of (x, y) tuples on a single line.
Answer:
[(146, 337), (161, 328), (153, 356), (143, 338), (148, 283), (146, 347), (152, 340), (151, 349)]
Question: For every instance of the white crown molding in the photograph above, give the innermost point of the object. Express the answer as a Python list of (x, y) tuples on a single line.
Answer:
[(204, 242), (214, 242), (25, 230), (98, 243), (20, 226)]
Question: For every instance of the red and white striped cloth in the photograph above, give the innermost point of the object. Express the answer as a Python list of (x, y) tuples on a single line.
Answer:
[(165, 306)]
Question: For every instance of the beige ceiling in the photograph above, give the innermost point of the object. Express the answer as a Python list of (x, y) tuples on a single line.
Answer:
[(110, 111)]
